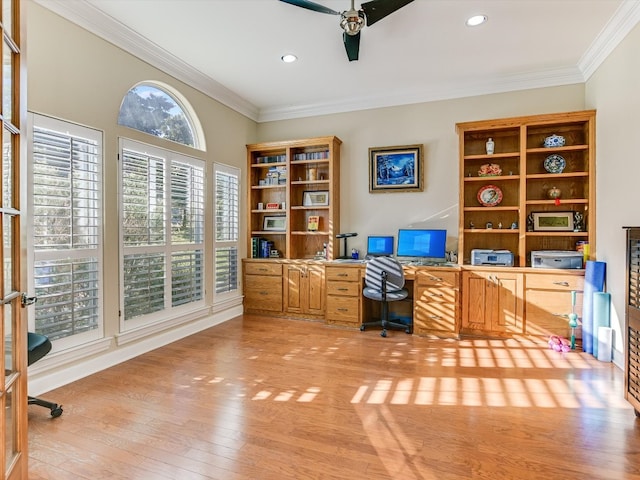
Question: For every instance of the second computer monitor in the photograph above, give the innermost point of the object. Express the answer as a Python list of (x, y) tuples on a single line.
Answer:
[(422, 243), (380, 245)]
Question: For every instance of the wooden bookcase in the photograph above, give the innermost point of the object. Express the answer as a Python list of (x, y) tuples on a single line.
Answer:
[(293, 181), (525, 184)]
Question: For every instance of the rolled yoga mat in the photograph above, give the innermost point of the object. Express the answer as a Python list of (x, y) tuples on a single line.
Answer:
[(601, 312), (605, 343), (593, 282)]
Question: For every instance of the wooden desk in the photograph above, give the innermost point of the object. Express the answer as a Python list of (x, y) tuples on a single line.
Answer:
[(433, 301)]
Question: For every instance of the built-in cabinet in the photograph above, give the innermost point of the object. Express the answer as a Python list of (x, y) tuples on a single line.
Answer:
[(294, 198), (344, 295), (530, 189), (436, 302), (492, 301), (262, 287), (304, 288), (632, 320)]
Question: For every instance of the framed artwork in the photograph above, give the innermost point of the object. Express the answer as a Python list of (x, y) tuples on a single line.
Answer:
[(552, 221), (396, 169), (315, 198), (274, 224)]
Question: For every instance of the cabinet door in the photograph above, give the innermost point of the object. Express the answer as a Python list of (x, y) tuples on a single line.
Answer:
[(304, 289), (315, 290), (492, 302), (293, 280)]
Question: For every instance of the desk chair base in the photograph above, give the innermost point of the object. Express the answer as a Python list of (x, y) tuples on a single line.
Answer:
[(386, 325), (56, 410)]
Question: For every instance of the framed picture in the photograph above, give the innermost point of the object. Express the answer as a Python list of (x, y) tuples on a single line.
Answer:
[(274, 224), (552, 221), (315, 198), (396, 169)]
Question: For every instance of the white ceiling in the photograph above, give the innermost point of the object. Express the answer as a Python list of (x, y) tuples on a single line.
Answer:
[(231, 49)]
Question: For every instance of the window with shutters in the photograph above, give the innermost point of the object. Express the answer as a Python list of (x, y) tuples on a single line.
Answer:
[(161, 232), (226, 210), (65, 185)]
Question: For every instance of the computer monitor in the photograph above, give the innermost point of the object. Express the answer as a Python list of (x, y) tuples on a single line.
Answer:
[(380, 245), (422, 243)]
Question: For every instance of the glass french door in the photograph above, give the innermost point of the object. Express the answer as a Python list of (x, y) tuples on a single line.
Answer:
[(13, 318)]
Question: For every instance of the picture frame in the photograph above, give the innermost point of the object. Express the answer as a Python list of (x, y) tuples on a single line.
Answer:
[(274, 223), (396, 169), (553, 221), (315, 198)]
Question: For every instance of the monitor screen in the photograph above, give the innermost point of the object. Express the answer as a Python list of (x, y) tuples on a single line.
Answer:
[(380, 245), (422, 243)]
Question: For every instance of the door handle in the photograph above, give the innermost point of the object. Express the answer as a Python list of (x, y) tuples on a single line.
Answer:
[(26, 301)]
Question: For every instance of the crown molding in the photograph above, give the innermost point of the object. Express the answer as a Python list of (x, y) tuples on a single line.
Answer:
[(90, 18), (95, 21), (617, 28)]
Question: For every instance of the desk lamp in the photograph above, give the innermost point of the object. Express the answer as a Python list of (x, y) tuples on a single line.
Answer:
[(344, 236)]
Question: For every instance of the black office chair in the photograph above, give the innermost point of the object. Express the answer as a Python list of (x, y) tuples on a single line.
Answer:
[(384, 282), (38, 346)]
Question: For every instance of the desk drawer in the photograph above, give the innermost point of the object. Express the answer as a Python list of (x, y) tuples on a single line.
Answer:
[(437, 279), (348, 289), (263, 293), (343, 310), (342, 274), (553, 281), (546, 312), (435, 318), (263, 269)]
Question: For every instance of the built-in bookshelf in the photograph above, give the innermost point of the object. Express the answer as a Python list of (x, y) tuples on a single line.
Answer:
[(291, 183)]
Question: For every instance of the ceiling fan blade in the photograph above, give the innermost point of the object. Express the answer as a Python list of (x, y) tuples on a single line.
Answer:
[(316, 7), (378, 9), (352, 45)]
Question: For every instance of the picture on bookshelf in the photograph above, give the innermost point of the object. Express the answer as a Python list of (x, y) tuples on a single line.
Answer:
[(274, 224), (313, 223), (552, 221), (396, 169), (314, 198)]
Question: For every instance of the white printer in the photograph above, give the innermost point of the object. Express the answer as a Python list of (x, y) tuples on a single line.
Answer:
[(556, 259), (491, 257)]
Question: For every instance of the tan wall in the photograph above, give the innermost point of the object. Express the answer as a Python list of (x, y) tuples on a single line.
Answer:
[(431, 124), (614, 90)]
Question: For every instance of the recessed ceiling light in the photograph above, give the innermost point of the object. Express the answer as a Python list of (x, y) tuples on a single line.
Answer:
[(288, 58), (476, 20)]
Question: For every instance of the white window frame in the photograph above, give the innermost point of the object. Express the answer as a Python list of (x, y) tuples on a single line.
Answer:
[(232, 243), (169, 315), (75, 130)]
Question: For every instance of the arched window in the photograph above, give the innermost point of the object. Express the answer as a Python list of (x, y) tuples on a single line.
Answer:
[(150, 108)]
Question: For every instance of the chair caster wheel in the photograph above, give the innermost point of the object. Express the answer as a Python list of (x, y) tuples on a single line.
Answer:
[(362, 327), (408, 331), (56, 412), (383, 333)]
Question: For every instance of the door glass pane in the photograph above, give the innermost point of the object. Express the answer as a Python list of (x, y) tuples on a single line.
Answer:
[(7, 169), (8, 338), (9, 428), (7, 17), (7, 83), (7, 235)]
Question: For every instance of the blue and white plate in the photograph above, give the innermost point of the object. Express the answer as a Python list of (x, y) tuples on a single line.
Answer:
[(554, 163)]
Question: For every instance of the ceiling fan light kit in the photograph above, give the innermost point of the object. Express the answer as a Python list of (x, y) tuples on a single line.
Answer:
[(352, 21)]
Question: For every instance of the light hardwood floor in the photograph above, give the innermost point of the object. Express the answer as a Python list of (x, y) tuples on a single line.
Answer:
[(264, 398)]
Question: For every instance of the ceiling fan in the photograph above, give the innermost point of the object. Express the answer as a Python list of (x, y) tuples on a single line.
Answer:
[(352, 21)]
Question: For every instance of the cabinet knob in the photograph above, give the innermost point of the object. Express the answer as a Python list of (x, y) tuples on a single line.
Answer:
[(342, 289), (562, 284), (435, 317), (437, 295), (435, 279), (342, 309)]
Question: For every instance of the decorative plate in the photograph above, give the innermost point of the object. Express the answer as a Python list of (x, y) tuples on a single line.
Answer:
[(554, 163), (489, 196), (489, 170)]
